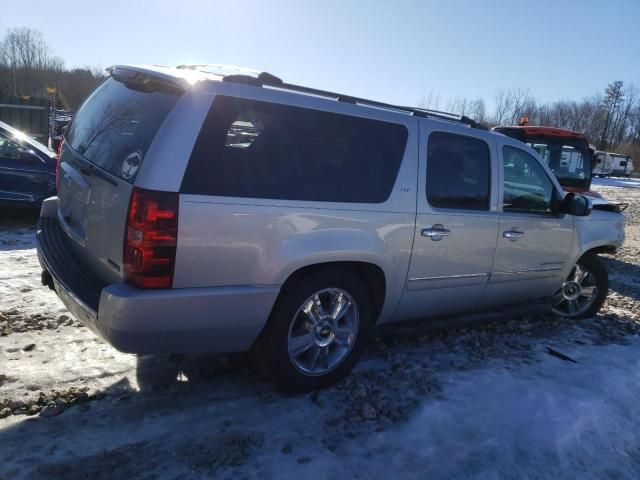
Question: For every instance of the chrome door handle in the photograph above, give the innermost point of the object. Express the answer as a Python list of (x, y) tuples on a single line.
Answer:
[(514, 234), (436, 232)]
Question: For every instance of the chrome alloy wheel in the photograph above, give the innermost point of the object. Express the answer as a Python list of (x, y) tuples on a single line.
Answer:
[(323, 331), (577, 293)]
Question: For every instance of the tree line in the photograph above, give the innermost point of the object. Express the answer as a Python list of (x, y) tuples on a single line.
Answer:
[(28, 68), (610, 119)]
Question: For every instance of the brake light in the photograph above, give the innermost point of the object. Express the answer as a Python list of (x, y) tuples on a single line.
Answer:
[(58, 162), (151, 238)]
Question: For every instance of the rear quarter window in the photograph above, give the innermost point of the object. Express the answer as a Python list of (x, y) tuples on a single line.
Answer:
[(116, 124), (248, 148), (458, 172)]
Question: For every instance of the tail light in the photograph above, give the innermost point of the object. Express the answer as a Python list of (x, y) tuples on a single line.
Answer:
[(151, 237), (58, 162)]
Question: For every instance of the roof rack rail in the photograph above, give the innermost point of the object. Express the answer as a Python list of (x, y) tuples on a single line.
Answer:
[(264, 79), (219, 66)]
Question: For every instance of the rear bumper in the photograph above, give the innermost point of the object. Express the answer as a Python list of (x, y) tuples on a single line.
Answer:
[(185, 320)]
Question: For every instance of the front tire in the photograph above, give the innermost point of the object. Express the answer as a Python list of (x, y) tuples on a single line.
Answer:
[(585, 290), (318, 329)]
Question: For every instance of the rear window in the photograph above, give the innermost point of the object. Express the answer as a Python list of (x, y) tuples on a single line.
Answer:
[(255, 149), (116, 124), (458, 172)]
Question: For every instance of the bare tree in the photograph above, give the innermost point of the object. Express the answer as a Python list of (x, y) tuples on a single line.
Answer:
[(503, 103), (477, 110), (613, 97), (431, 101), (27, 68), (26, 54)]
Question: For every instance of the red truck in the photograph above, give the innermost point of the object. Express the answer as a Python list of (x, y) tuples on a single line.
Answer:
[(566, 152)]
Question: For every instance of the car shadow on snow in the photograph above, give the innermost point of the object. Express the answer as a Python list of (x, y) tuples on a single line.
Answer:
[(624, 277), (17, 229), (197, 414), (155, 372), (17, 216)]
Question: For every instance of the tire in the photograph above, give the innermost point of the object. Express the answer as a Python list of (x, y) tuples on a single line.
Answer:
[(597, 277), (289, 323)]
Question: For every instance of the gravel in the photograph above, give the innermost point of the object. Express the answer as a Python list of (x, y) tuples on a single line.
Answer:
[(14, 321), (46, 404)]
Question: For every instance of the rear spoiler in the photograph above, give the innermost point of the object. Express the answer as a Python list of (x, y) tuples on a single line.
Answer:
[(145, 81)]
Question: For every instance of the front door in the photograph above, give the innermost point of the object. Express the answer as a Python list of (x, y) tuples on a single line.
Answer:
[(534, 244), (456, 226)]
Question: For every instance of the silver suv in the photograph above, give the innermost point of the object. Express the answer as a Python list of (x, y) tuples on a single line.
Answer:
[(199, 212)]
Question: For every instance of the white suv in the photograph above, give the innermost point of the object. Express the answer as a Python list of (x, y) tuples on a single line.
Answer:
[(199, 212)]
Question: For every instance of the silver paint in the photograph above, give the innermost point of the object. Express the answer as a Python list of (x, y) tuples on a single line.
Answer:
[(234, 254)]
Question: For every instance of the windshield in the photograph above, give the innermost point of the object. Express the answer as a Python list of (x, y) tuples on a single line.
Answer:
[(569, 162), (24, 138)]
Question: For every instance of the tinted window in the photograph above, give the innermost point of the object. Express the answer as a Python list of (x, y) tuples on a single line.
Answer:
[(9, 148), (527, 187), (116, 124), (257, 149), (17, 135), (458, 172), (568, 160)]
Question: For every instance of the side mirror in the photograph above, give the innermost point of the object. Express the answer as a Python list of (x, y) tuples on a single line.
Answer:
[(576, 205), (29, 156)]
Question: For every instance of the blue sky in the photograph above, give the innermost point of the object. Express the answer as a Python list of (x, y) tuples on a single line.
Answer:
[(396, 51)]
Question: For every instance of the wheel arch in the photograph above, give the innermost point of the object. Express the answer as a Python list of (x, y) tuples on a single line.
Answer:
[(605, 248), (371, 275)]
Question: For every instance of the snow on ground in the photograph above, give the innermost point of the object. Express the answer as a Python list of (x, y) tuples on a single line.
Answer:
[(623, 182), (482, 402), (20, 286)]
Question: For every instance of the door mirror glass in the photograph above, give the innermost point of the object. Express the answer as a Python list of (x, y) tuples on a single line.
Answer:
[(576, 205), (28, 156)]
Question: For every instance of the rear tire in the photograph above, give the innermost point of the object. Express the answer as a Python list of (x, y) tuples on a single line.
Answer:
[(318, 329), (585, 290)]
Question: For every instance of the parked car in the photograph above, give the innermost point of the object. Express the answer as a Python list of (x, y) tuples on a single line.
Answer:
[(622, 165), (207, 213), (27, 168), (603, 164)]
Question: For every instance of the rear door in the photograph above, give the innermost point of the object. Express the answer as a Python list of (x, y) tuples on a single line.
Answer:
[(533, 244), (24, 176), (103, 150), (456, 225)]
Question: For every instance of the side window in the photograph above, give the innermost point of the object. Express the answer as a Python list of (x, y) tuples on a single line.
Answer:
[(458, 172), (527, 187), (9, 148), (248, 148)]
